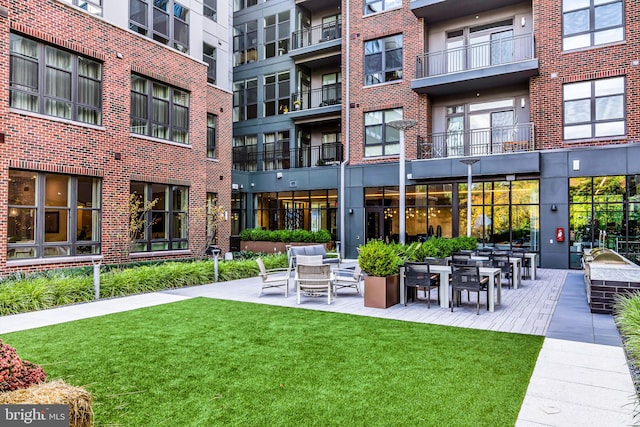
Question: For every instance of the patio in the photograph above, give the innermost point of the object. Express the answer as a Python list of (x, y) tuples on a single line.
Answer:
[(525, 310)]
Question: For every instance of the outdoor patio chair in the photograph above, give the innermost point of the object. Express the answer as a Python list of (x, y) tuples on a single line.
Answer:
[(313, 281), (347, 278), (524, 261), (467, 278), (502, 262), (416, 276), (460, 258), (274, 278)]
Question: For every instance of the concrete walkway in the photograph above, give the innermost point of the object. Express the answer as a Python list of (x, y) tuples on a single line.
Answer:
[(580, 379)]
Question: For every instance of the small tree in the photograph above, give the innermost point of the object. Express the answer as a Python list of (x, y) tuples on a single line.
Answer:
[(135, 215)]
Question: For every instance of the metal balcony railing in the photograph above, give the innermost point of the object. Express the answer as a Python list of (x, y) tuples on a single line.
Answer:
[(477, 142), (480, 55), (278, 156), (315, 98), (316, 35)]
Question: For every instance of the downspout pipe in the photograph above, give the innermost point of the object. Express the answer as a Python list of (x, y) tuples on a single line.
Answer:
[(347, 133)]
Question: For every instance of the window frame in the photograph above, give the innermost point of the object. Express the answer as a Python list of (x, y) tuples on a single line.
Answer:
[(150, 119), (72, 208), (42, 93), (212, 61), (383, 71), (386, 132), (281, 35), (392, 4), (241, 95), (212, 136), (245, 43), (97, 4), (174, 243), (593, 122), (591, 31), (173, 18), (210, 9), (280, 101)]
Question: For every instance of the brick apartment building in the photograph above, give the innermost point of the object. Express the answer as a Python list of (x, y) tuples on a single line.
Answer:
[(99, 100), (540, 93), (281, 109)]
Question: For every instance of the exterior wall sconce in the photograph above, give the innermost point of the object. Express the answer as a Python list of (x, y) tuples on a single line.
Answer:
[(554, 208), (350, 211), (523, 21), (279, 175)]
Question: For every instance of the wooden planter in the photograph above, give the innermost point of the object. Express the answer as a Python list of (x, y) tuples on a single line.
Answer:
[(381, 292)]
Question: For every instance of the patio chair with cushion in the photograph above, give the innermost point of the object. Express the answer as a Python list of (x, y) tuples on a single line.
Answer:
[(346, 278), (313, 281), (274, 278), (416, 276), (467, 277)]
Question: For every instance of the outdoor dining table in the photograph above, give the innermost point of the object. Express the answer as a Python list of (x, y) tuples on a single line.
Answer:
[(516, 267), (495, 281)]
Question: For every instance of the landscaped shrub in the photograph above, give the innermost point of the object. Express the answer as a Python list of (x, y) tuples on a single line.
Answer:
[(16, 373), (50, 289), (379, 259), (295, 236)]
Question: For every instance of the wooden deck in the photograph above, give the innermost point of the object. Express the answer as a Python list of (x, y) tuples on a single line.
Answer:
[(527, 310)]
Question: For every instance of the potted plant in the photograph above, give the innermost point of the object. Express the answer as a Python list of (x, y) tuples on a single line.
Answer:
[(296, 104), (381, 284)]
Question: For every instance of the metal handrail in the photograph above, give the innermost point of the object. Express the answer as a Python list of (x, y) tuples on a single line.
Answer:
[(278, 156), (477, 142), (480, 55), (316, 34), (326, 95)]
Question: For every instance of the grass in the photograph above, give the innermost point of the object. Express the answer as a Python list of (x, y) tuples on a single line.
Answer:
[(627, 316), (210, 362)]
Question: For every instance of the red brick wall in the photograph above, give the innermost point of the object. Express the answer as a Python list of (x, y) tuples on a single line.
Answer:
[(388, 95), (585, 64), (62, 146)]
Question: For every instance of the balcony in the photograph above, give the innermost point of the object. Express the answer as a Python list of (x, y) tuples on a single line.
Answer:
[(496, 63), (277, 156), (317, 45), (434, 11), (321, 102), (477, 142)]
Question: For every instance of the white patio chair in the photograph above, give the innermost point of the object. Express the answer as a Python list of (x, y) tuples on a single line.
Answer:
[(274, 278), (313, 280), (347, 278)]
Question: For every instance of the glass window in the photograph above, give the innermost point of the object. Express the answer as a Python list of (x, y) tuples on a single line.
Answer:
[(276, 94), (276, 34), (245, 153), (245, 100), (159, 110), (594, 109), (91, 6), (165, 225), (375, 6), (243, 4), (380, 139), (209, 55), (383, 60), (210, 9), (52, 215), (51, 81), (168, 28), (591, 22), (245, 43), (212, 125)]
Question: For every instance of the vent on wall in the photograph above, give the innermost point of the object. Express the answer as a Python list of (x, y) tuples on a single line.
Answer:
[(293, 184)]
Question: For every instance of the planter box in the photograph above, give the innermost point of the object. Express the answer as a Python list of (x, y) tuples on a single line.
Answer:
[(381, 292), (274, 247)]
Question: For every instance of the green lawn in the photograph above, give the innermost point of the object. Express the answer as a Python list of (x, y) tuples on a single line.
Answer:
[(205, 362)]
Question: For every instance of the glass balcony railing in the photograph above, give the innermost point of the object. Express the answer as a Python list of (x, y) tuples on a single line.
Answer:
[(477, 142)]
